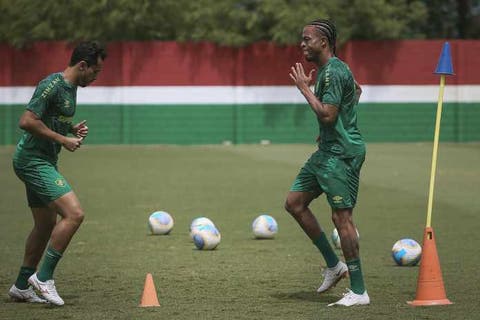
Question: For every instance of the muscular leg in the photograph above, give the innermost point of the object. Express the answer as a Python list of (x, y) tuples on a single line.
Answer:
[(342, 218), (68, 207), (297, 205), (44, 221)]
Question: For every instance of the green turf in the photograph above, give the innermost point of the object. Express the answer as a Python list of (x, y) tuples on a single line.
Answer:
[(102, 273)]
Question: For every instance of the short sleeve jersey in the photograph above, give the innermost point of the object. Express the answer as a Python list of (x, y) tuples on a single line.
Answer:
[(335, 85), (54, 102)]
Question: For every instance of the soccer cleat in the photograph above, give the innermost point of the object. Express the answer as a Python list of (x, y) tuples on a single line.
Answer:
[(27, 295), (332, 275), (352, 299), (47, 290)]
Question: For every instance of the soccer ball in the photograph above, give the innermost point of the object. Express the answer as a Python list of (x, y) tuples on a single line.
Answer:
[(200, 221), (406, 252), (206, 237), (264, 227), (336, 238), (160, 222)]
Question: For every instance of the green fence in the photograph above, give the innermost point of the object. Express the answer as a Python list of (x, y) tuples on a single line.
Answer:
[(213, 124)]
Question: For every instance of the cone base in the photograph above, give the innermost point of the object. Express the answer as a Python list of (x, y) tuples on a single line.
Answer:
[(438, 302), (149, 305)]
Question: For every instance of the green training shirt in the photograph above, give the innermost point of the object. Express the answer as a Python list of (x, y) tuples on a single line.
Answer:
[(54, 102), (335, 85)]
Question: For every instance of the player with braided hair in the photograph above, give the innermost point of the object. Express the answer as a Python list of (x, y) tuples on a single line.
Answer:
[(334, 169)]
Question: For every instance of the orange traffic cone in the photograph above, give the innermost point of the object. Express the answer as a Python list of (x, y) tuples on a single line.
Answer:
[(430, 288), (149, 296)]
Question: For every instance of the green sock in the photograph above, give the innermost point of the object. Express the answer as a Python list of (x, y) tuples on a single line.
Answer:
[(50, 261), (23, 275), (326, 249), (356, 277)]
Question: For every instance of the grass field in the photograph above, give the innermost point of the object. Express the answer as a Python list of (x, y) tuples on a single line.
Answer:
[(102, 273)]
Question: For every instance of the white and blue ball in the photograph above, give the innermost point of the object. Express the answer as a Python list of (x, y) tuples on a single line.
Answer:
[(200, 221), (264, 227), (336, 238), (206, 237), (160, 222), (406, 252)]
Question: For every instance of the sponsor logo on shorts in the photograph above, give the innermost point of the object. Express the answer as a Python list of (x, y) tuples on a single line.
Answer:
[(337, 199), (60, 182)]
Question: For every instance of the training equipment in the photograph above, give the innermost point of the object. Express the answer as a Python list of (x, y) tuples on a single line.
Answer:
[(264, 227), (331, 276), (406, 252), (149, 295), (336, 238), (206, 237), (430, 288), (350, 298), (200, 221), (160, 222), (27, 295), (47, 290)]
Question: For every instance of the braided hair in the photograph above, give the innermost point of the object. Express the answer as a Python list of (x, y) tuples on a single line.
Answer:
[(327, 28)]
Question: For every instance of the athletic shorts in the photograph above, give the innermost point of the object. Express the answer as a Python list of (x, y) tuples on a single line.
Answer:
[(337, 177), (43, 182)]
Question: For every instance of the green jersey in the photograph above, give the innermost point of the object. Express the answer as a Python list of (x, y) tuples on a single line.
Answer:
[(335, 85), (54, 102)]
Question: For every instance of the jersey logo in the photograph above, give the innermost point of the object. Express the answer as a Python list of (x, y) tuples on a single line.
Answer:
[(67, 104), (60, 182), (337, 199)]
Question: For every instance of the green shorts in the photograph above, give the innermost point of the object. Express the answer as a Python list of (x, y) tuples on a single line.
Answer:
[(338, 178), (43, 182)]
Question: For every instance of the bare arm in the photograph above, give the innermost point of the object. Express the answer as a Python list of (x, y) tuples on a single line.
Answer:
[(327, 113), (31, 123)]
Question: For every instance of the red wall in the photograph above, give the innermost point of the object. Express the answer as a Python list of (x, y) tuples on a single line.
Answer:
[(409, 62)]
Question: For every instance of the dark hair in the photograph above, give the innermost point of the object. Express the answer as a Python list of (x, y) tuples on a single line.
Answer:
[(88, 51), (327, 28)]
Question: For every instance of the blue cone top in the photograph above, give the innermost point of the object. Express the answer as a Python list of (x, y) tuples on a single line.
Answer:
[(444, 65)]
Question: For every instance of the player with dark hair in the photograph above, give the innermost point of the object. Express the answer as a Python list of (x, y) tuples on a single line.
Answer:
[(47, 121), (334, 169)]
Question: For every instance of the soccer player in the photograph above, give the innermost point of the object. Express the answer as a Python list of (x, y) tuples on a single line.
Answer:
[(334, 169), (47, 121)]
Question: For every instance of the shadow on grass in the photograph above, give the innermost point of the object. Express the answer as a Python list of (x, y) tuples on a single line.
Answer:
[(305, 296)]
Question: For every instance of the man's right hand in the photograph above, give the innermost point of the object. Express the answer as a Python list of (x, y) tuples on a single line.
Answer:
[(72, 143)]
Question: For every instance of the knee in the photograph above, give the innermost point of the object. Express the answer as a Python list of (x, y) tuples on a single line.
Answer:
[(293, 207), (341, 218), (76, 216)]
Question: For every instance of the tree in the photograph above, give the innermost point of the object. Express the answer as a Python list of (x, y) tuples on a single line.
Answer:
[(233, 22)]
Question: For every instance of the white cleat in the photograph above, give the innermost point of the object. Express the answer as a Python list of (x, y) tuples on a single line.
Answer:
[(27, 295), (47, 290), (331, 276), (352, 299)]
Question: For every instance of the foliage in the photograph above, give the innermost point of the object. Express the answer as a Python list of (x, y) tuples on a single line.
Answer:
[(230, 22)]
